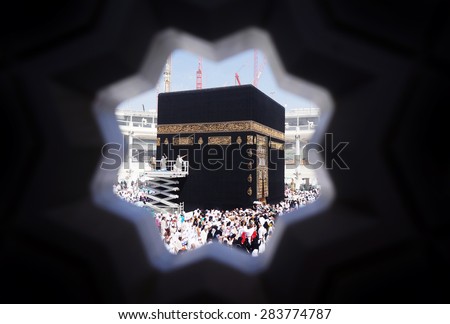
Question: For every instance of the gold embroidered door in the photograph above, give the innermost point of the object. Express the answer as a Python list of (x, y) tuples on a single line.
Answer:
[(262, 187)]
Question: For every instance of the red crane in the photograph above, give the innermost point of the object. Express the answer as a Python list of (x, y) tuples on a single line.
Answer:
[(257, 69), (199, 76), (236, 77)]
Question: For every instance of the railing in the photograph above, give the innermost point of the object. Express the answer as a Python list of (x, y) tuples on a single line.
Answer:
[(300, 127), (171, 166), (136, 124), (313, 111)]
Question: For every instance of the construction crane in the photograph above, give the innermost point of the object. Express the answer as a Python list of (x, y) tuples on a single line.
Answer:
[(257, 69), (167, 74), (236, 78), (199, 75)]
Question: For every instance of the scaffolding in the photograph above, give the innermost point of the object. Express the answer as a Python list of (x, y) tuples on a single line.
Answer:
[(163, 185)]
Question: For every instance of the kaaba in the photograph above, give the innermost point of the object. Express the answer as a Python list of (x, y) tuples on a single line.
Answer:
[(233, 138)]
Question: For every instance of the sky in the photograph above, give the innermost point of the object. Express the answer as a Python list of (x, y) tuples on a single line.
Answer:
[(217, 74)]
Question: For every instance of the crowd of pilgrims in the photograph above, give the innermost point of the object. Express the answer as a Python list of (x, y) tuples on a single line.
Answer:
[(246, 229)]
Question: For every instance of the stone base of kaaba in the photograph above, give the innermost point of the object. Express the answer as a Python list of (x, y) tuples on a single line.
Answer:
[(233, 138)]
